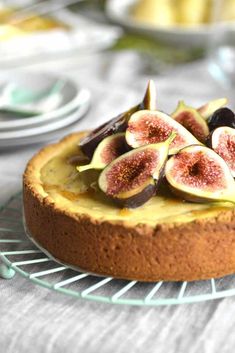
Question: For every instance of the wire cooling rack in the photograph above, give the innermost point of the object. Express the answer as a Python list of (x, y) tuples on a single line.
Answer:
[(20, 255)]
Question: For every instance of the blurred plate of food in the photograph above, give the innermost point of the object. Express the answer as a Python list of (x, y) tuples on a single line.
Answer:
[(178, 22), (44, 36)]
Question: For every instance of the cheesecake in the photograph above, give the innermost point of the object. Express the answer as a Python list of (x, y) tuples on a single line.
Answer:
[(166, 238)]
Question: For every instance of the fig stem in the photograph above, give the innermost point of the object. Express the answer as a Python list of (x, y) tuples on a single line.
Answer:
[(171, 138), (82, 168), (149, 101)]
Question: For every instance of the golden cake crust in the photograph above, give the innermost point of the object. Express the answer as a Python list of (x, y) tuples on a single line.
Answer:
[(195, 250)]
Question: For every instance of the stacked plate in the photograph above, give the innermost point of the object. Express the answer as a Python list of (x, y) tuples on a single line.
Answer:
[(38, 107)]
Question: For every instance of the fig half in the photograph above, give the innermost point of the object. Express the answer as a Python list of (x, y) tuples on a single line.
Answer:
[(109, 149), (147, 127), (222, 141), (192, 120), (209, 108), (117, 124), (113, 126), (198, 174), (132, 179)]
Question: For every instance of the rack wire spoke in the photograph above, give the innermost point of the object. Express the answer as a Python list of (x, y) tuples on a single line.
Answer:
[(47, 272), (213, 286), (21, 252), (182, 290), (153, 292), (70, 280), (87, 291), (12, 230), (122, 291), (11, 241), (15, 243), (30, 262)]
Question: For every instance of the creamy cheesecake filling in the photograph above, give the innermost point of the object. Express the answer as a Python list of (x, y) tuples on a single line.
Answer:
[(70, 190)]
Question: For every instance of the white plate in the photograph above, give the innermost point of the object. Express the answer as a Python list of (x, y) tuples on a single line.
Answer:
[(198, 36), (50, 136), (44, 133), (72, 97)]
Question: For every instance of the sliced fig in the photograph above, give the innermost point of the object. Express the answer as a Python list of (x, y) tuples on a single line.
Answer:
[(150, 98), (222, 117), (146, 127), (117, 124), (131, 180), (198, 174), (209, 108), (222, 141), (109, 149), (191, 119)]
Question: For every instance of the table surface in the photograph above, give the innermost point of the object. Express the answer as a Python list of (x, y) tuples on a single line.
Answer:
[(33, 318)]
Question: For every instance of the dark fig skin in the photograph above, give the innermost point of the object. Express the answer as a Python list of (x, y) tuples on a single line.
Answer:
[(138, 199), (115, 125), (208, 141), (188, 197), (77, 159), (141, 198), (222, 117)]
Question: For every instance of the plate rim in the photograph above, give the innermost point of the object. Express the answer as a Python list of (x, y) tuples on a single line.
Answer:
[(29, 140), (59, 112), (121, 16)]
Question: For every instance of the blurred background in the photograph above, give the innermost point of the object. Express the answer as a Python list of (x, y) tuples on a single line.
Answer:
[(163, 28), (58, 57)]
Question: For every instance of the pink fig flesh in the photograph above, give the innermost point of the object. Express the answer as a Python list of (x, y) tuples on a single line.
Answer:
[(109, 149), (222, 140), (130, 173), (198, 174), (113, 149), (194, 170), (133, 178), (146, 127), (192, 121)]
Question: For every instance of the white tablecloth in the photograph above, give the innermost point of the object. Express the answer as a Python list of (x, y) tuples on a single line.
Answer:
[(33, 319)]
